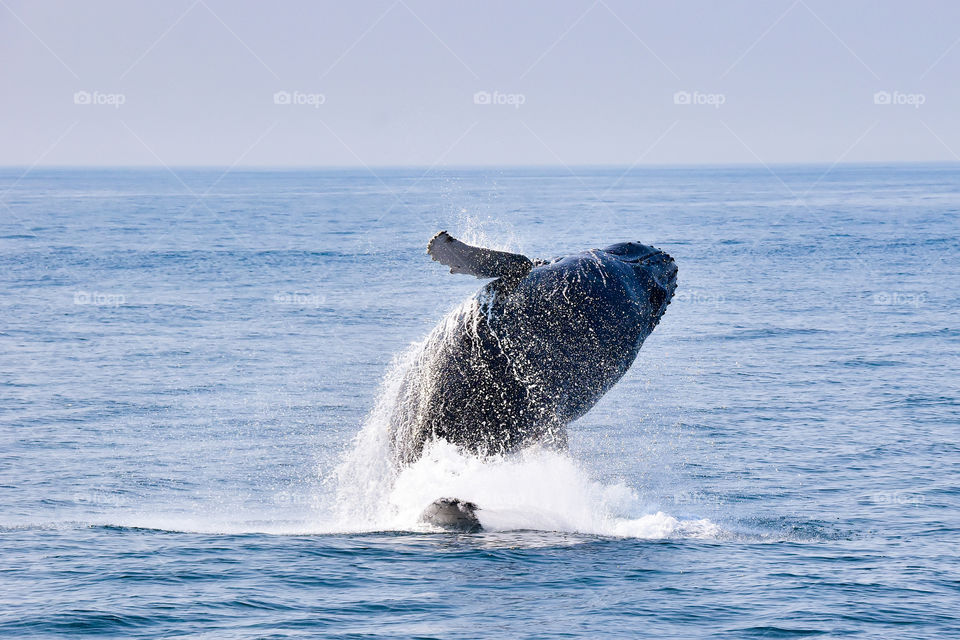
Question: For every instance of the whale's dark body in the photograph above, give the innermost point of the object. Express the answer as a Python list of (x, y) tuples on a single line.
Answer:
[(533, 350)]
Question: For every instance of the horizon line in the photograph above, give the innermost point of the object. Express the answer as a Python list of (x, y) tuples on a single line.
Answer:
[(461, 167)]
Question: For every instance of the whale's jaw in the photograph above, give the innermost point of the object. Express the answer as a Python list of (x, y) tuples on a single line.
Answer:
[(663, 269), (649, 262)]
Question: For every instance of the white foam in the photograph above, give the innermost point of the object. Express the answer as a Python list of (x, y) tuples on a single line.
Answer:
[(536, 489)]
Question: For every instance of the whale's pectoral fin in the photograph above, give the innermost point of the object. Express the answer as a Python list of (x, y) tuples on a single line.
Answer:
[(452, 514), (477, 261)]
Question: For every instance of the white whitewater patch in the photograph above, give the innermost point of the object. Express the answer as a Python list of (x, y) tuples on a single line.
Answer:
[(535, 489)]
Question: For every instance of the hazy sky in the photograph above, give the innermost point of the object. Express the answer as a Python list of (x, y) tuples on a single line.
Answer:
[(411, 82)]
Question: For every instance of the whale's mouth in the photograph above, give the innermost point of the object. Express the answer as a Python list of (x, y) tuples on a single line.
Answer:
[(659, 263), (633, 252)]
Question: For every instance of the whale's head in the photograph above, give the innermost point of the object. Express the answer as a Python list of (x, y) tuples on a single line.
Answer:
[(654, 270)]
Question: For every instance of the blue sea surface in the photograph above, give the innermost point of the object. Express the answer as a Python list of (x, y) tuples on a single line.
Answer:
[(187, 358)]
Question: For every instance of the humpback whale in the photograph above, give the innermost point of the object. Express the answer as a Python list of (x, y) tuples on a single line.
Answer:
[(533, 350)]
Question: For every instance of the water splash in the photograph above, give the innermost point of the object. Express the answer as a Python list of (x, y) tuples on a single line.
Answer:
[(490, 232), (535, 489)]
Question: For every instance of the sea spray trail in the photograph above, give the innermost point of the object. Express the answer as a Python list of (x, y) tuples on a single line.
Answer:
[(363, 479), (535, 489)]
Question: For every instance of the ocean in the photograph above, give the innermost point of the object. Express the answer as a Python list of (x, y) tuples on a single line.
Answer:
[(196, 364)]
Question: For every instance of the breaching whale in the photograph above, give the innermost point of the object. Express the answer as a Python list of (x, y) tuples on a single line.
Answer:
[(532, 351)]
